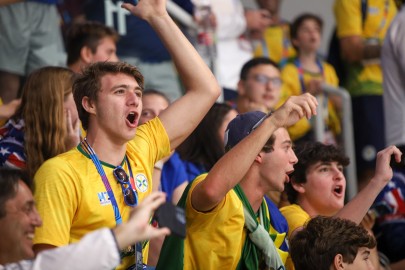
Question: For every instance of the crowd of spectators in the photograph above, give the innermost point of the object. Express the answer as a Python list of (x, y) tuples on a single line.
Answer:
[(105, 104)]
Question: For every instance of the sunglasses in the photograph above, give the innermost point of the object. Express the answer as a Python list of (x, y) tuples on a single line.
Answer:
[(130, 196), (263, 79)]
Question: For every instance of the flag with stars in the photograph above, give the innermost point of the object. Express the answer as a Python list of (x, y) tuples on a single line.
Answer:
[(12, 144)]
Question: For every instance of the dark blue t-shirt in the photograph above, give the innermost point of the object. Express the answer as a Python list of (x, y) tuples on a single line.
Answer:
[(137, 38), (173, 175), (50, 2)]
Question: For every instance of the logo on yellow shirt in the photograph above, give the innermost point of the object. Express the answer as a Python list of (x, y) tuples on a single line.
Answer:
[(104, 198), (141, 182)]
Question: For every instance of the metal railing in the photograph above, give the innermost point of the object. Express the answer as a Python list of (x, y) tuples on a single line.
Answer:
[(348, 141), (180, 15), (184, 18), (348, 138)]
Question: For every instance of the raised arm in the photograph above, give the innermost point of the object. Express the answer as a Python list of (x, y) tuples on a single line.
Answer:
[(202, 89), (357, 208), (233, 166)]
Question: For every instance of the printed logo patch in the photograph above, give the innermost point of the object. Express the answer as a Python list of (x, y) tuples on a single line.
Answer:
[(141, 182), (103, 198)]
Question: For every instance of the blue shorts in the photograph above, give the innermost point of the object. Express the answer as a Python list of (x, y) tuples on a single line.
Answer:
[(368, 127)]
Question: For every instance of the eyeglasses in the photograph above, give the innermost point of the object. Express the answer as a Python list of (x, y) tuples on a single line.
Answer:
[(263, 79), (130, 196)]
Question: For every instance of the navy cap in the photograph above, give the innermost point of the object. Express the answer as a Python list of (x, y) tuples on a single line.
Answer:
[(241, 126)]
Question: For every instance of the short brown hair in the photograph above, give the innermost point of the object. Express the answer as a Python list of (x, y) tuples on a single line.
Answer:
[(88, 84), (323, 238), (297, 23), (9, 186), (308, 154), (86, 34)]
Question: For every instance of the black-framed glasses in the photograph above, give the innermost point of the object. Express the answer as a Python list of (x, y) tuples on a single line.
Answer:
[(130, 196), (263, 79)]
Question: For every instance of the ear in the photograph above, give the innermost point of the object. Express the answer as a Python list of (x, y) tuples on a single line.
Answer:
[(259, 158), (299, 187), (295, 42), (338, 262), (86, 54), (88, 105), (241, 88)]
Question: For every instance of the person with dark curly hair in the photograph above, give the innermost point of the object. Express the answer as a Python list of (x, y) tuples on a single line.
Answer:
[(330, 244), (317, 187)]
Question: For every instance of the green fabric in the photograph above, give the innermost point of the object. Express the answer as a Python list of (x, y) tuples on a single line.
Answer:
[(250, 253), (172, 252), (357, 87)]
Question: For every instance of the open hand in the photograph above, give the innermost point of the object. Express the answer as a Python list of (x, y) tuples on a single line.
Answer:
[(146, 9), (140, 216), (73, 131), (294, 109), (383, 170)]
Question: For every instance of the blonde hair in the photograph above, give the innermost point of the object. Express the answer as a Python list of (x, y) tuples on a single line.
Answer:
[(42, 109)]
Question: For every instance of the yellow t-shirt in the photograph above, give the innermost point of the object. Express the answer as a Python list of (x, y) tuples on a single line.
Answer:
[(72, 199), (215, 239), (296, 218), (364, 79), (292, 87), (276, 44)]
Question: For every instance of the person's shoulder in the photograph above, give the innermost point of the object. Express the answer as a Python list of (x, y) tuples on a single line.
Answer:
[(150, 135), (348, 3), (290, 209), (327, 65), (199, 179), (153, 126), (65, 161), (289, 68), (289, 65), (328, 68)]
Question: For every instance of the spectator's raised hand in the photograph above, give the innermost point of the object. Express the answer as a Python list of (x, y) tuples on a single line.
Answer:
[(294, 109), (138, 228), (146, 9), (9, 109), (257, 20), (368, 221), (72, 130), (383, 170)]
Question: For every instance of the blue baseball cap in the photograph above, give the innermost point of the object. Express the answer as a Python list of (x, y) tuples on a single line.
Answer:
[(241, 126)]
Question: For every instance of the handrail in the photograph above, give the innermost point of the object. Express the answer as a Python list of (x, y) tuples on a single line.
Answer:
[(348, 138), (180, 15), (187, 20)]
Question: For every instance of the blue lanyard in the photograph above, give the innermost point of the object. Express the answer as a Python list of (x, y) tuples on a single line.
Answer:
[(118, 219), (89, 150), (297, 63)]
